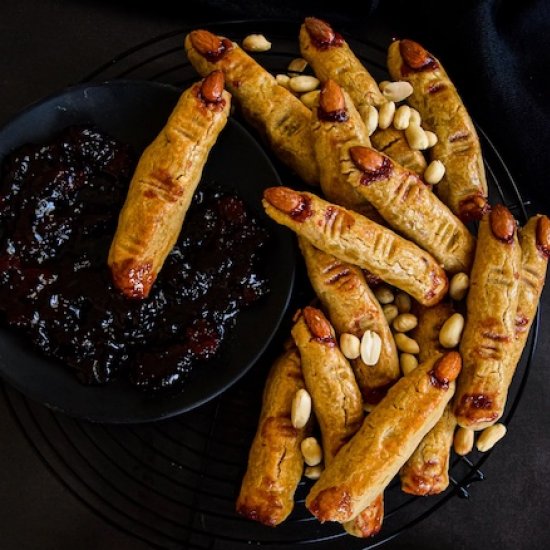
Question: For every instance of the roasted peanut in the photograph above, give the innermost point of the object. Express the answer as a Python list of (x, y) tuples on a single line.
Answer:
[(397, 91), (301, 408), (490, 436), (372, 120), (371, 346), (256, 43), (402, 117), (416, 137), (458, 287), (311, 451), (415, 117), (463, 442), (385, 114), (384, 295), (408, 363), (297, 65), (350, 345), (434, 172), (406, 344), (405, 322), (403, 302), (432, 138), (391, 311), (283, 80), (310, 99), (313, 472), (303, 83), (383, 84), (451, 331)]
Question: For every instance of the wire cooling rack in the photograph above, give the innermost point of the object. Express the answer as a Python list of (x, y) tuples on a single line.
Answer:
[(173, 483)]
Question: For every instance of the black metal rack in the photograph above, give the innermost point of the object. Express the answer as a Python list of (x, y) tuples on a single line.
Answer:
[(173, 483)]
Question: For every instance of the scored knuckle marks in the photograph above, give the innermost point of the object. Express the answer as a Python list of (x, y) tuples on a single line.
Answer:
[(366, 159), (543, 235), (212, 86), (205, 42), (414, 55), (319, 30), (503, 223), (317, 323), (284, 199), (331, 98), (448, 367)]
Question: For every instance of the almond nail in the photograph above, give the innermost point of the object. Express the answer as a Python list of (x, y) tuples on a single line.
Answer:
[(473, 208), (212, 87), (366, 159), (319, 31), (317, 324), (502, 223), (331, 99), (447, 368), (543, 235), (207, 44), (414, 55), (289, 201)]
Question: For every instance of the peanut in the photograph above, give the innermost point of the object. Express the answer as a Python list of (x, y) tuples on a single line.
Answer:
[(402, 117), (300, 408), (463, 442), (310, 99), (415, 117), (297, 65), (384, 295), (408, 363), (416, 137), (371, 346), (451, 331), (313, 472), (434, 172), (383, 84), (458, 287), (385, 115), (397, 91), (311, 451), (256, 43), (390, 312), (405, 322), (283, 80), (350, 345), (403, 302), (372, 120), (303, 83), (406, 344), (432, 138), (490, 436)]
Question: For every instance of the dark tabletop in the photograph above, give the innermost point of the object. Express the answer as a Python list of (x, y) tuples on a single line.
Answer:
[(498, 64)]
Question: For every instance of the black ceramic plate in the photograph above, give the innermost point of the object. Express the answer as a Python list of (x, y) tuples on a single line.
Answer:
[(134, 112)]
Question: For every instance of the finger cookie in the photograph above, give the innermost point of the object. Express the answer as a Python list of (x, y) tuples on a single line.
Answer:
[(163, 185), (463, 187), (278, 115)]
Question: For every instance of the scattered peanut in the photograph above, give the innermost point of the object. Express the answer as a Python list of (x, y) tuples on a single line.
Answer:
[(451, 331), (490, 436), (391, 311), (368, 407), (371, 346), (310, 99), (432, 138), (458, 287), (405, 322), (434, 172), (406, 344), (372, 119), (397, 91), (311, 451), (350, 345), (313, 472), (415, 117), (301, 408), (403, 302), (402, 117), (463, 442), (384, 295), (383, 84), (283, 80), (416, 137), (297, 65), (408, 363), (303, 83), (256, 43), (385, 115)]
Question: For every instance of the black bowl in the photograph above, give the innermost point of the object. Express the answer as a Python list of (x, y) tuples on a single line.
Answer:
[(134, 112)]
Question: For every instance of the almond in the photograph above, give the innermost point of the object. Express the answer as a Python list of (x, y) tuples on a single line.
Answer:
[(317, 324), (319, 30), (284, 199), (502, 223), (473, 208), (331, 99), (366, 159), (414, 55), (206, 43), (447, 368), (212, 86), (543, 235)]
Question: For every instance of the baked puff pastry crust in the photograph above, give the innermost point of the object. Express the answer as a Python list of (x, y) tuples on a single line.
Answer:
[(163, 185), (280, 117), (463, 187)]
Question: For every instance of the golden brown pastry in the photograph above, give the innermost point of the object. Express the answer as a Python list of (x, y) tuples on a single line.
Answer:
[(409, 206), (388, 436), (359, 241), (280, 117), (393, 143), (336, 399), (275, 460), (353, 309), (163, 185), (464, 187), (488, 337)]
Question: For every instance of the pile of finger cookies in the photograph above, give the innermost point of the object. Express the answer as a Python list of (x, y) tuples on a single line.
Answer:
[(419, 325)]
